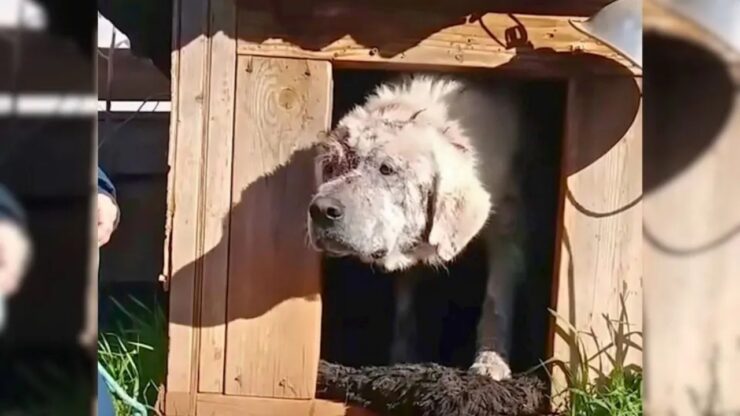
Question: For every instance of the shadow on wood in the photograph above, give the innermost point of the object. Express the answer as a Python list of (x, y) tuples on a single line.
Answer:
[(691, 100), (144, 21)]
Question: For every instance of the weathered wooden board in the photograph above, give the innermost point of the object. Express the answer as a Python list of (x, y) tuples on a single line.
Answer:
[(274, 299), (405, 38), (183, 244), (600, 271), (218, 405), (218, 158)]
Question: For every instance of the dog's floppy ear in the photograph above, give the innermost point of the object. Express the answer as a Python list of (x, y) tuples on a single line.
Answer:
[(454, 135), (459, 208)]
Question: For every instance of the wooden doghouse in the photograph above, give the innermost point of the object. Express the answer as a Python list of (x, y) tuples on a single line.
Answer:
[(252, 88)]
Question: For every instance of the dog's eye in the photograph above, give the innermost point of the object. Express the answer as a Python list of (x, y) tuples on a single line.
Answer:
[(328, 169), (386, 169)]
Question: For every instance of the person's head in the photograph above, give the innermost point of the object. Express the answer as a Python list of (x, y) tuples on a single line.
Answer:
[(15, 255), (107, 217), (15, 247)]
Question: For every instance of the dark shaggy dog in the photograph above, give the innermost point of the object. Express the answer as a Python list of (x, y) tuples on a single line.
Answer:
[(431, 390)]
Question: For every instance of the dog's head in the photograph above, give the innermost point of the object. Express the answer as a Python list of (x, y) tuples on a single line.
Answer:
[(397, 187)]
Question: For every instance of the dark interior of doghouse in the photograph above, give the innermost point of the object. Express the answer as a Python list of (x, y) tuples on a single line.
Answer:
[(359, 305)]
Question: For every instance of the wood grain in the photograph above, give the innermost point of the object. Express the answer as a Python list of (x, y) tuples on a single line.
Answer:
[(600, 270), (531, 45), (179, 403), (188, 83), (274, 304), (217, 405), (218, 167)]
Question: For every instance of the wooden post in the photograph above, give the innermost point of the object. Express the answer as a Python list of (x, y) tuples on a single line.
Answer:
[(601, 234), (216, 211), (184, 221)]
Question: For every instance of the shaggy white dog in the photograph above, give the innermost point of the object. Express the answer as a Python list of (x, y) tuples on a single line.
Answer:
[(413, 175)]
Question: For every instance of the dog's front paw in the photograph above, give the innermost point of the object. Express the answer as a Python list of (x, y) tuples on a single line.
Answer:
[(489, 363)]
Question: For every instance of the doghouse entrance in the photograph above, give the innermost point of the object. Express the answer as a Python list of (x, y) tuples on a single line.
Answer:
[(358, 301)]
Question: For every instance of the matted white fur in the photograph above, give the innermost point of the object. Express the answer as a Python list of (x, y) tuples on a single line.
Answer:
[(414, 174)]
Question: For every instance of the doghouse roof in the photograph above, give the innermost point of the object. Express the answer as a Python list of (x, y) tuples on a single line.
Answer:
[(534, 35)]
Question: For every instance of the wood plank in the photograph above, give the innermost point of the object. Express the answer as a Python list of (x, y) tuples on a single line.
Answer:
[(601, 238), (222, 73), (166, 274), (218, 405), (140, 18), (188, 83), (692, 241), (524, 44), (583, 8), (274, 301), (179, 404)]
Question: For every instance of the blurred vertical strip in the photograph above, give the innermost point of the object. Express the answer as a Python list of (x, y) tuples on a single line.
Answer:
[(692, 206), (48, 104)]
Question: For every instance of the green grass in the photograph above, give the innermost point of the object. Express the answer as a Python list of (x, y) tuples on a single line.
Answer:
[(619, 395), (134, 352), (591, 389)]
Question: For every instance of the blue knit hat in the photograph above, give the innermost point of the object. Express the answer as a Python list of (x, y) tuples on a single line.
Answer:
[(105, 185), (10, 208)]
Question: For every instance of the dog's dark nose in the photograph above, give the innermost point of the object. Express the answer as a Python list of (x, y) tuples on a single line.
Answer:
[(325, 210)]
